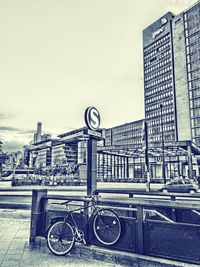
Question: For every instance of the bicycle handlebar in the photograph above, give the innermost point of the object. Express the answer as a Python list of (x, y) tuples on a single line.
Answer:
[(66, 202)]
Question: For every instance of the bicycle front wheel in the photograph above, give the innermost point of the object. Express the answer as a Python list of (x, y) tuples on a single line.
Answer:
[(60, 238), (107, 227)]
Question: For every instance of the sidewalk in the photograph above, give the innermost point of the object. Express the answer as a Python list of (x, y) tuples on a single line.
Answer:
[(15, 249)]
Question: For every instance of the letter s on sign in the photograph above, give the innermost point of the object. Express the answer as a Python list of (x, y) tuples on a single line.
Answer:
[(92, 118)]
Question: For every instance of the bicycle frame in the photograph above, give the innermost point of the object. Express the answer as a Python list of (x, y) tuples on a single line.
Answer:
[(70, 215)]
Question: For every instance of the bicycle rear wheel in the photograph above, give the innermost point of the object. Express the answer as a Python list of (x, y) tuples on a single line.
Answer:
[(60, 238), (107, 226)]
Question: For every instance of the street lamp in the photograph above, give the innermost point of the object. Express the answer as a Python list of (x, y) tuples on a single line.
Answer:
[(163, 145)]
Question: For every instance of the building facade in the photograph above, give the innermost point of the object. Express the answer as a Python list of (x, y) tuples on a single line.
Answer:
[(125, 134), (171, 52), (186, 34), (159, 86)]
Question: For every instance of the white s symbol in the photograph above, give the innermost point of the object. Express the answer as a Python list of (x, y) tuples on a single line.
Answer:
[(94, 118)]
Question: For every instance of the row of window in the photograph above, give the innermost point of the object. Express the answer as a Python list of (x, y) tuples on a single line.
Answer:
[(196, 131), (158, 130), (165, 119), (155, 44), (194, 75), (193, 56), (193, 30), (158, 65), (132, 141), (192, 12), (192, 23), (160, 56), (195, 93), (128, 133), (195, 103), (128, 137), (126, 129), (192, 48), (157, 89), (166, 103), (195, 112), (161, 64), (167, 137), (195, 122), (159, 81), (158, 49), (193, 39), (156, 113), (158, 73), (194, 65), (159, 97)]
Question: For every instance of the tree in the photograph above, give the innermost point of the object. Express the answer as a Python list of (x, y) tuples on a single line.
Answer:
[(3, 159)]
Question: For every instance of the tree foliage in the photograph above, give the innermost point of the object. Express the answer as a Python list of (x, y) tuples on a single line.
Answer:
[(3, 158)]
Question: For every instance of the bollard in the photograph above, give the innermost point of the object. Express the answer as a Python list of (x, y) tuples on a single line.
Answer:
[(37, 226)]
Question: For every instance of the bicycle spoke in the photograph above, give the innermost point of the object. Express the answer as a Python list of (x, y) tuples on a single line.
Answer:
[(60, 238), (107, 227)]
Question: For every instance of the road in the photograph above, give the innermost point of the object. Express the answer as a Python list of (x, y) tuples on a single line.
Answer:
[(23, 194)]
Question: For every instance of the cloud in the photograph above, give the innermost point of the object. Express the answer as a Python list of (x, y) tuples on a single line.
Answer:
[(17, 130), (4, 116), (12, 146)]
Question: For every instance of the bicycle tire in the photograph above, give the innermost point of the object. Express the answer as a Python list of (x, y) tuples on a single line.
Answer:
[(107, 227), (60, 238)]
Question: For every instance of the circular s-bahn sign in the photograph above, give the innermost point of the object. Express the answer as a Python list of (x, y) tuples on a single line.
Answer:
[(92, 118)]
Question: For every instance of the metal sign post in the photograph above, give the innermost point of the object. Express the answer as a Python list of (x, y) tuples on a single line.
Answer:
[(146, 156), (91, 166), (92, 120)]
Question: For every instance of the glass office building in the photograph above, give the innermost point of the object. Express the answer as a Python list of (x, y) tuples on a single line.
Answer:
[(171, 53), (186, 32), (159, 87)]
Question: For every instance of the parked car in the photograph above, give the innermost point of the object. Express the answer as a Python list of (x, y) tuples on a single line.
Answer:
[(180, 186)]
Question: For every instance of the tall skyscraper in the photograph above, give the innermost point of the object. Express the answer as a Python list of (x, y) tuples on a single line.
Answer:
[(171, 49), (159, 87), (186, 36)]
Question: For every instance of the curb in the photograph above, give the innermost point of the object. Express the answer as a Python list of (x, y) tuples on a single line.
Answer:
[(119, 258)]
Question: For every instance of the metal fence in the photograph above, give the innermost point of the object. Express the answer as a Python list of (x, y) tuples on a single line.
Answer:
[(155, 227)]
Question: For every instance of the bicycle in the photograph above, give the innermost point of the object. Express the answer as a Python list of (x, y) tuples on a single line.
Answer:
[(62, 235)]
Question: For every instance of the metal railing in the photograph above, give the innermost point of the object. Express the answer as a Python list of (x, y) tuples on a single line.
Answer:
[(153, 227)]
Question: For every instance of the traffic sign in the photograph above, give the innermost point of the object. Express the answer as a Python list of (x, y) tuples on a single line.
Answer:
[(92, 118)]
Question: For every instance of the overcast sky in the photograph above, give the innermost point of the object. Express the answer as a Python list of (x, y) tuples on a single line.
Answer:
[(58, 57)]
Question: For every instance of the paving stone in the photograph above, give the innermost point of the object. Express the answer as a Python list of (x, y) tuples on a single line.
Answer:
[(10, 263)]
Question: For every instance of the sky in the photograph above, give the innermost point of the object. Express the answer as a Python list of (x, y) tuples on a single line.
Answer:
[(57, 57)]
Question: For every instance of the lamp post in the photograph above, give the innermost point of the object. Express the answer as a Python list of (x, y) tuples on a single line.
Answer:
[(14, 165), (163, 145)]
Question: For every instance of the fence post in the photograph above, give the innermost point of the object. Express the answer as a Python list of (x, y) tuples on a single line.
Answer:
[(37, 226), (88, 213), (130, 212), (140, 230)]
